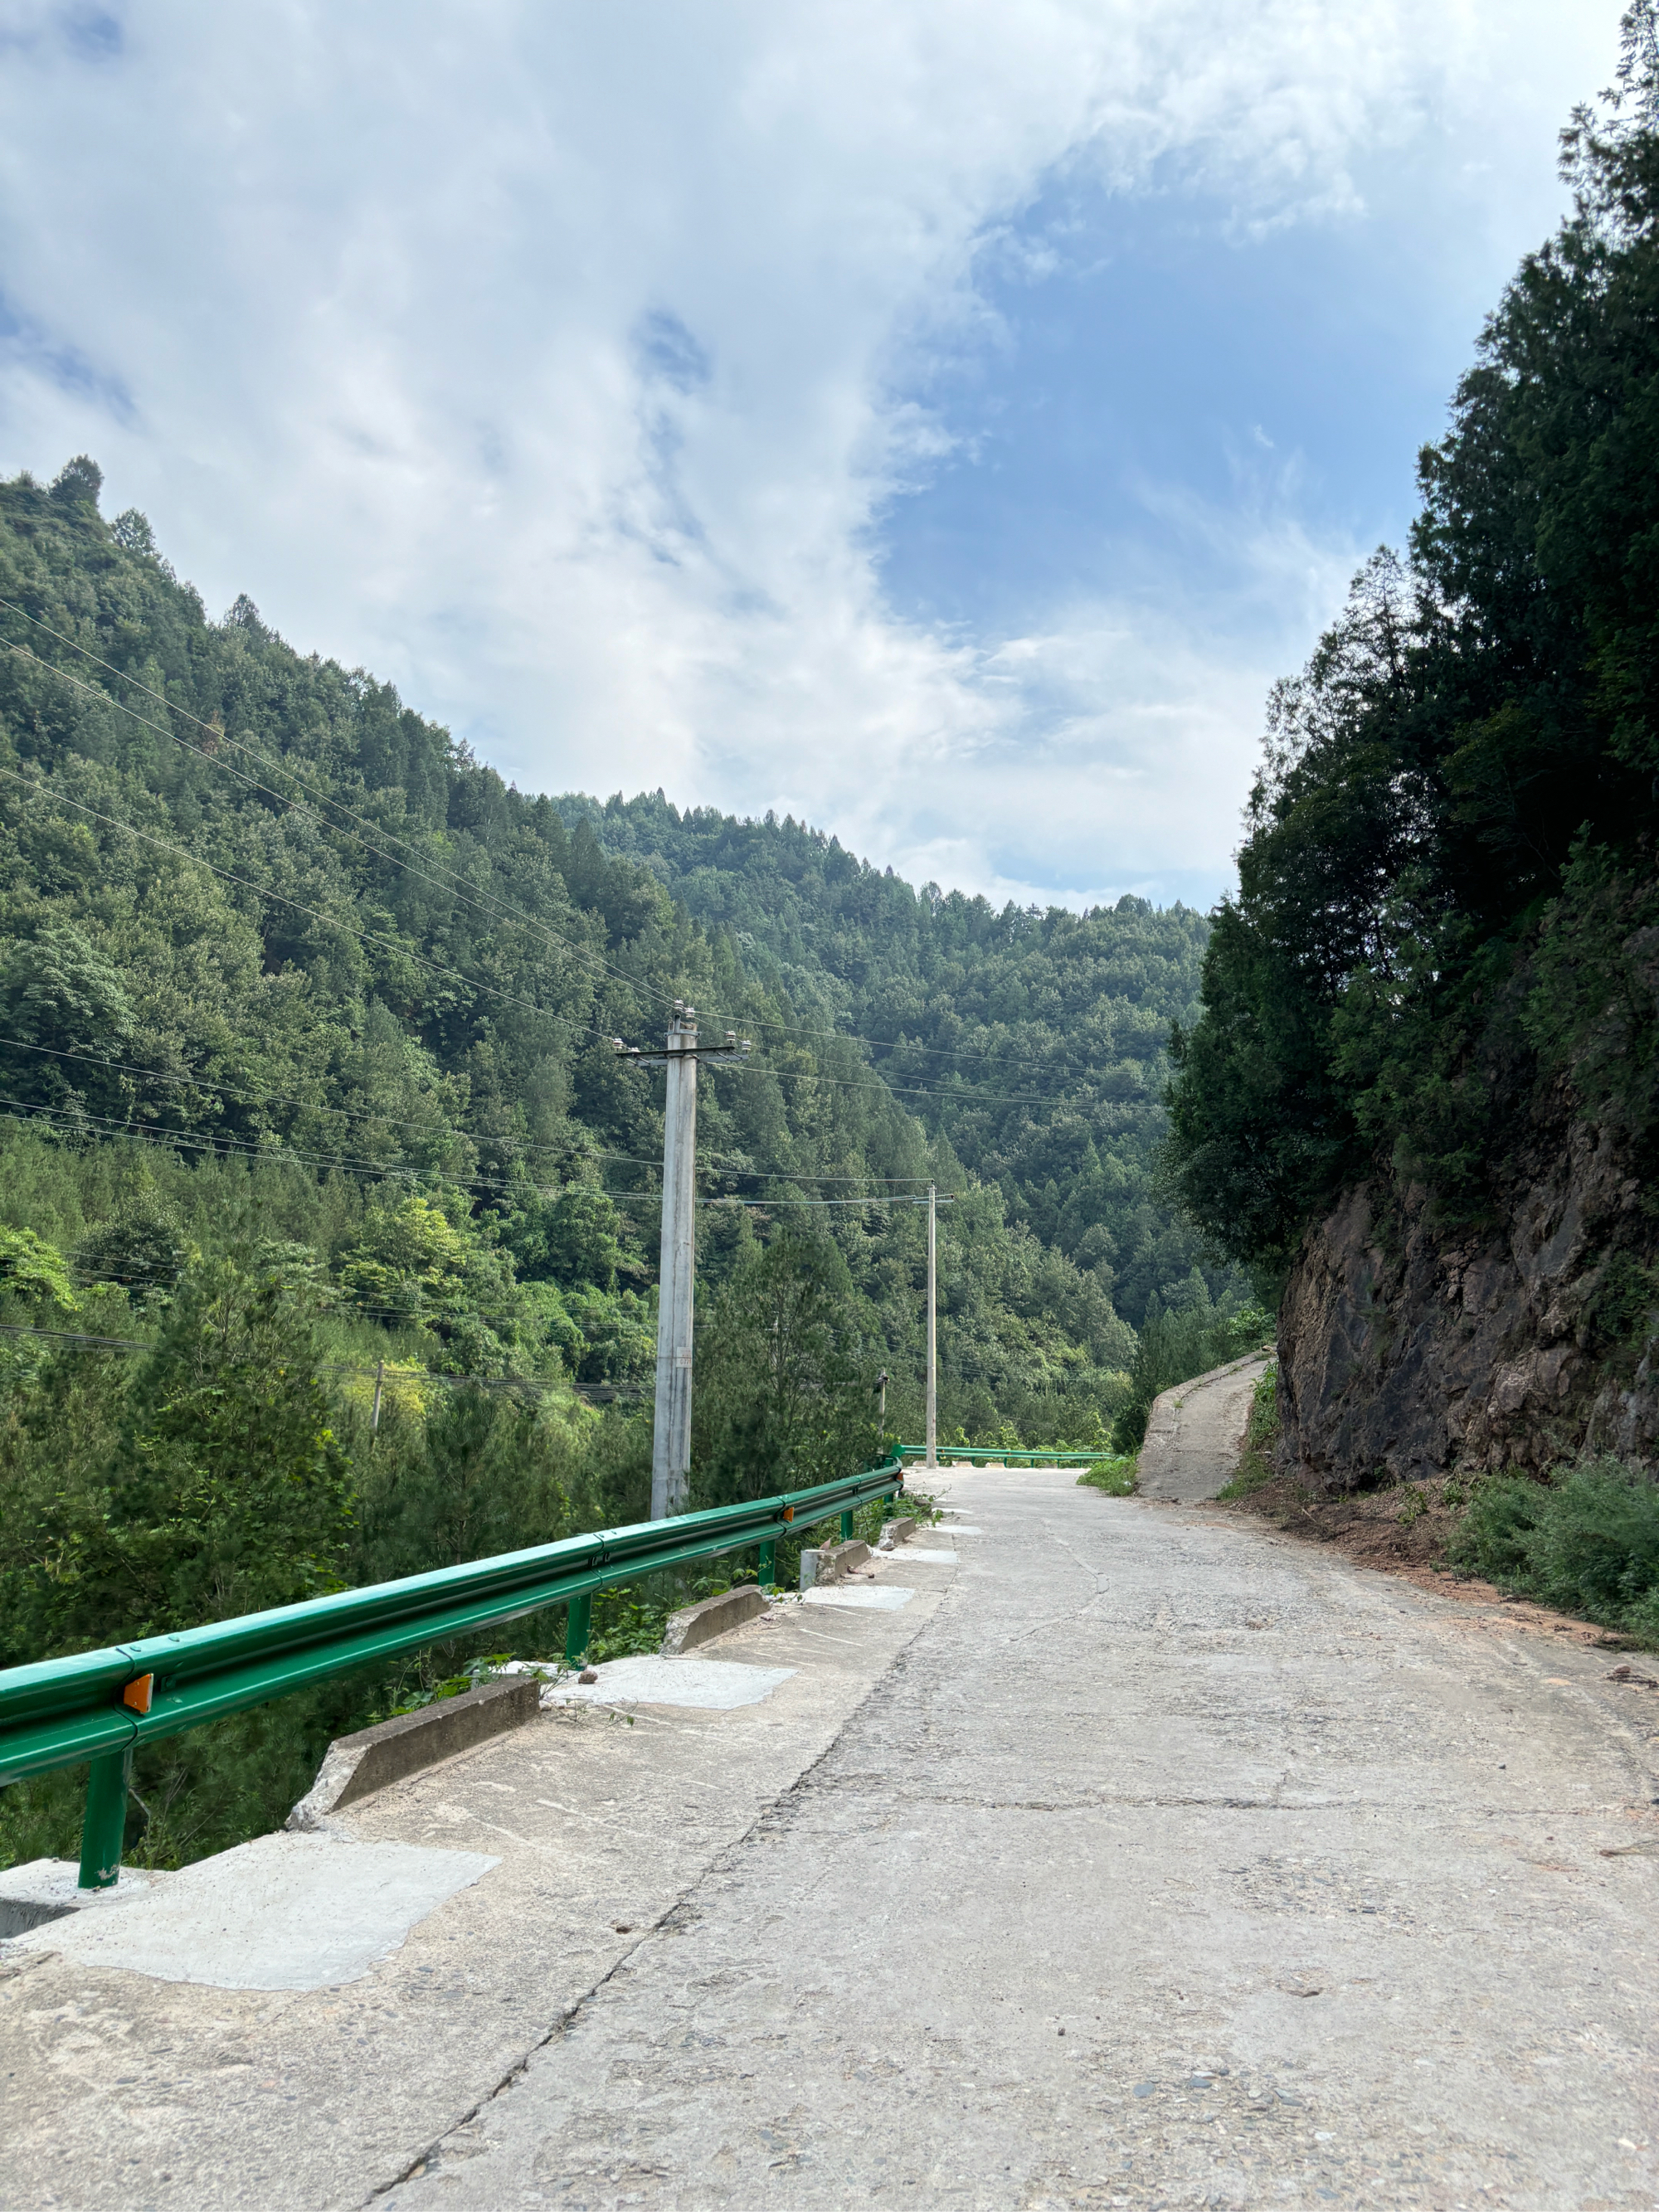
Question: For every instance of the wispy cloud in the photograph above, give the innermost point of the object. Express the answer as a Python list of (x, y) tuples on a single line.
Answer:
[(565, 363)]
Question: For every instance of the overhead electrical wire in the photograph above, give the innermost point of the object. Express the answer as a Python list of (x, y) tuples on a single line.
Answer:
[(348, 1163), (374, 937), (444, 878), (396, 1377), (36, 789), (712, 1164)]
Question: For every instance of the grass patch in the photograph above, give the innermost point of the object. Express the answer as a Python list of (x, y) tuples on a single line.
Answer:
[(1585, 1542), (1116, 1477), (1255, 1462)]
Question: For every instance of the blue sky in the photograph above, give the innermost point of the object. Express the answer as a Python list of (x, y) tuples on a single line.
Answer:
[(1298, 372), (944, 425)]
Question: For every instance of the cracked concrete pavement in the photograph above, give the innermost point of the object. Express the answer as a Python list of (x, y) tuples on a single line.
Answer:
[(1171, 1864), (1195, 1431), (1146, 1858)]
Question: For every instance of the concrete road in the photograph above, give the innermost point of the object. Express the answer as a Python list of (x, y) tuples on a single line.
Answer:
[(1144, 1858), (1195, 1431), (1169, 1864)]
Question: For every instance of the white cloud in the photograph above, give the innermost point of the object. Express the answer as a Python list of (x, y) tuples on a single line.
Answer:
[(539, 355)]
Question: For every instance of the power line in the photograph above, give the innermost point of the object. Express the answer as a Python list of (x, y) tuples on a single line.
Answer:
[(236, 1148), (841, 1083), (161, 1278), (404, 952), (38, 789), (712, 1162), (444, 878), (419, 1380), (772, 1205)]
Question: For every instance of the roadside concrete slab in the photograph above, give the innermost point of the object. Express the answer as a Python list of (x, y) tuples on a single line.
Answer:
[(855, 1597), (709, 1685), (357, 1766), (44, 1890), (282, 1912), (712, 1617), (118, 2089)]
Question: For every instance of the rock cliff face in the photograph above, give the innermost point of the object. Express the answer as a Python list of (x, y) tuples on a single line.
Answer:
[(1412, 1348)]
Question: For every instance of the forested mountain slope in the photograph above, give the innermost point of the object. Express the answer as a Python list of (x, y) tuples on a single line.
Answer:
[(309, 1107), (1036, 1042), (280, 916), (1422, 1088)]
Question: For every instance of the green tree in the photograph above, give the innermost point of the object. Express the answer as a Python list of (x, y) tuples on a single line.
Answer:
[(229, 1490), (33, 1271), (783, 1394), (1449, 869)]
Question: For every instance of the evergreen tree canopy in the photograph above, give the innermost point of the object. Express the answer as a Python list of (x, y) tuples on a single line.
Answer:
[(1450, 866)]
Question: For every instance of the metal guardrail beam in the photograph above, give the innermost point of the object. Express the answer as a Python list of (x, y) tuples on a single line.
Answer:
[(1057, 1456), (98, 1707)]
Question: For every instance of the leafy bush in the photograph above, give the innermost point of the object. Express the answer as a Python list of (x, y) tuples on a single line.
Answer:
[(1116, 1477), (1587, 1541)]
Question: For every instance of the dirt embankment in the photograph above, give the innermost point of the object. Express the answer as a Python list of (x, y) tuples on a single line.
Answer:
[(1405, 1531)]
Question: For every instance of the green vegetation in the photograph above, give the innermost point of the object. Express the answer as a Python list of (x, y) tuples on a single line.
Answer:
[(1447, 897), (1446, 939), (328, 1215), (1586, 1542), (1256, 1462), (1035, 1045), (1116, 1477)]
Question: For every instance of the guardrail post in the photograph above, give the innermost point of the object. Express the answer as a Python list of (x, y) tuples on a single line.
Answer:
[(768, 1565), (846, 1528), (577, 1616), (105, 1820)]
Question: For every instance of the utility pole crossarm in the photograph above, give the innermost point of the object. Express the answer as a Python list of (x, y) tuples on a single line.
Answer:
[(735, 1047)]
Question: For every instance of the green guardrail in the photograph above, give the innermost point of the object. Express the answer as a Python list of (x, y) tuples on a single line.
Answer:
[(98, 1707), (993, 1456)]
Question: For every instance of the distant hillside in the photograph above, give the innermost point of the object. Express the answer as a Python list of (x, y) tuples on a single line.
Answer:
[(265, 926), (1036, 1042)]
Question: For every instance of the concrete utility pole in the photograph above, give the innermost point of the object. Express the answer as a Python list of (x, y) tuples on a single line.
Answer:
[(671, 1442), (932, 1326)]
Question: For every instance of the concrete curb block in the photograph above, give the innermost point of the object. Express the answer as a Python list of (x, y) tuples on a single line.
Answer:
[(712, 1616), (896, 1531), (355, 1766), (828, 1562)]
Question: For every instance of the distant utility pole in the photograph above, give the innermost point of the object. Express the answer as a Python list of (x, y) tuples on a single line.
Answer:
[(671, 1443), (932, 1326)]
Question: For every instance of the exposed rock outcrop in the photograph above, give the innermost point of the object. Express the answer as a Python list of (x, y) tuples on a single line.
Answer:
[(1409, 1348)]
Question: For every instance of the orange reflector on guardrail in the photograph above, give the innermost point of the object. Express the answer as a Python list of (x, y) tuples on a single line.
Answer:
[(788, 1512), (137, 1693)]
